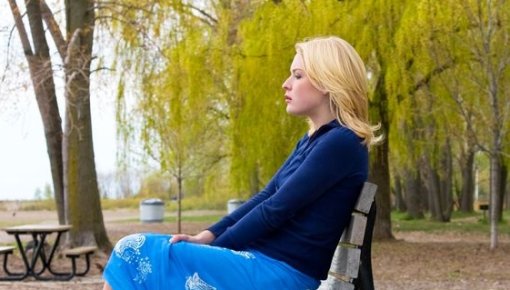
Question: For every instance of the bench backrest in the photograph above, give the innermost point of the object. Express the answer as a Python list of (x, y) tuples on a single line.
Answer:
[(352, 256)]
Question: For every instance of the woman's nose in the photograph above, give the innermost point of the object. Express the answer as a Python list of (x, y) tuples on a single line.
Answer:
[(286, 84)]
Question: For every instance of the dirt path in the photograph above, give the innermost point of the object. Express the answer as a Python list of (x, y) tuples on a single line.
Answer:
[(416, 260)]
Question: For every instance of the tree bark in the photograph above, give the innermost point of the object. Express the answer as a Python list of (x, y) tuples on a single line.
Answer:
[(380, 176), (179, 201), (400, 203), (505, 188), (41, 74), (413, 194), (379, 166), (468, 181), (446, 183), (80, 178), (495, 169), (438, 187), (432, 183), (502, 188)]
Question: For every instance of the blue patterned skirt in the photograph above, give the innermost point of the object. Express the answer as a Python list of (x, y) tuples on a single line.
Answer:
[(150, 261)]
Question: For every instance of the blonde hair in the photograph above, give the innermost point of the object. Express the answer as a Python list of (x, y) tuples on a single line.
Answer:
[(333, 66)]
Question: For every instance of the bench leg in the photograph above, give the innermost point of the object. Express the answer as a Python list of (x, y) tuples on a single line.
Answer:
[(11, 275), (87, 267)]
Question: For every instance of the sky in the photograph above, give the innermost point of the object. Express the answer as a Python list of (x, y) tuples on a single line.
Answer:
[(24, 163)]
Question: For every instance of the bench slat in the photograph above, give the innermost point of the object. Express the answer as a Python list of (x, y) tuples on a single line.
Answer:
[(5, 250), (346, 261), (79, 251), (366, 197), (355, 232), (333, 283)]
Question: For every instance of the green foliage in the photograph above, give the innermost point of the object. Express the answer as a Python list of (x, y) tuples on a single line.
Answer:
[(460, 222), (208, 94), (217, 86)]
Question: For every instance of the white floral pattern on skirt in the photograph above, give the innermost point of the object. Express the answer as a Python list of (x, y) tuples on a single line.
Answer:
[(128, 249), (195, 283)]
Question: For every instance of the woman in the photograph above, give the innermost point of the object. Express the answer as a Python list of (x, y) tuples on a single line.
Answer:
[(285, 236)]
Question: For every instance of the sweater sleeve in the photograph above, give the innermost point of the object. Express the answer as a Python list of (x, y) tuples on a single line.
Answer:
[(328, 162), (220, 227)]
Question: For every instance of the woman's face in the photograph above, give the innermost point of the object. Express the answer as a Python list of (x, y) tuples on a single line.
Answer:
[(301, 96)]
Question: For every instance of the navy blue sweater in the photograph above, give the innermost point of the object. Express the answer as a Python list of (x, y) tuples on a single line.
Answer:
[(300, 215)]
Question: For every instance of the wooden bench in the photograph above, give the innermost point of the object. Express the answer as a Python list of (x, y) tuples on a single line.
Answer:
[(351, 267), (76, 253)]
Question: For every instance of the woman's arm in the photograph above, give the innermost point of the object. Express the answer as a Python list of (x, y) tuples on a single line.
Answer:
[(220, 227), (330, 161)]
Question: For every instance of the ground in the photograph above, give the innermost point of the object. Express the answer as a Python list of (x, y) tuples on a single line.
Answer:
[(415, 260)]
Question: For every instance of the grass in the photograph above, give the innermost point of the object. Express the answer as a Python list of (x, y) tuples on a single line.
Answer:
[(460, 222)]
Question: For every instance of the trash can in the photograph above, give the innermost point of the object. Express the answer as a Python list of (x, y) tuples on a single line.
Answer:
[(233, 204), (152, 210)]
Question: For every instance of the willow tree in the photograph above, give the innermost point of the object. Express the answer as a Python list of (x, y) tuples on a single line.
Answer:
[(262, 133), (73, 166), (263, 64), (371, 26), (250, 47), (426, 144), (178, 129), (484, 36), (472, 38)]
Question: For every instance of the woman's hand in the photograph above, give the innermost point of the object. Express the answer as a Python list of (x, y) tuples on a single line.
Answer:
[(204, 237)]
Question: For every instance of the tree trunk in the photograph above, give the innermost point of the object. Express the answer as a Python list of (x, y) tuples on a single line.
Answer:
[(446, 181), (80, 179), (432, 183), (380, 176), (436, 187), (424, 192), (379, 166), (41, 74), (179, 201), (413, 195), (494, 198), (506, 188), (400, 203), (502, 188), (468, 182)]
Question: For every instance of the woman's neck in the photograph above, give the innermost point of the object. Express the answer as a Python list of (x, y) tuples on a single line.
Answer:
[(320, 120), (315, 125)]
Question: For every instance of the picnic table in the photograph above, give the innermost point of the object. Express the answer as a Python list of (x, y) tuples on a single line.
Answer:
[(39, 234)]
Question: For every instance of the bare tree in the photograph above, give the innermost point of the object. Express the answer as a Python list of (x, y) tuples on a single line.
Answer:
[(71, 154)]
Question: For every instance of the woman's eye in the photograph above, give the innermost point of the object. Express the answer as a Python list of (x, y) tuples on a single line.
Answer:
[(297, 76)]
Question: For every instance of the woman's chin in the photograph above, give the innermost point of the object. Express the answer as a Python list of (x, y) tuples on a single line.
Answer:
[(291, 111), (296, 113)]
